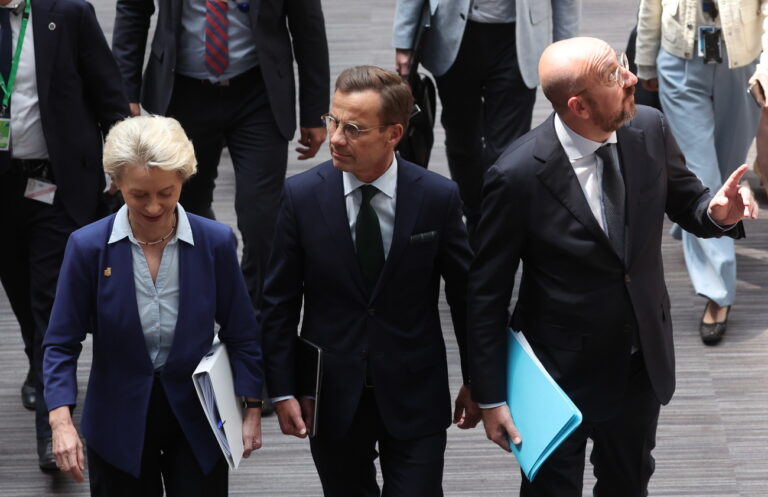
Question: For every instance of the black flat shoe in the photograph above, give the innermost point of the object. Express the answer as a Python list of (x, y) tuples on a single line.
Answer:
[(712, 333), (28, 396), (45, 458)]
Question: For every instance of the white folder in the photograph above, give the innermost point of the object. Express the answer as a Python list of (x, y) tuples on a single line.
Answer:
[(216, 391)]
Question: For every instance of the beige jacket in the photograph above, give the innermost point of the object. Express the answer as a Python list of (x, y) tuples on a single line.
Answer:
[(672, 24)]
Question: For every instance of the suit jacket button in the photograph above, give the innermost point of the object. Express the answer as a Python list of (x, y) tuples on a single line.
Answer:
[(627, 279), (371, 311)]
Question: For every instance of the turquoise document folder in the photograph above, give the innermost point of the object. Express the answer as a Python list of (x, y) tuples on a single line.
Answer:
[(541, 411)]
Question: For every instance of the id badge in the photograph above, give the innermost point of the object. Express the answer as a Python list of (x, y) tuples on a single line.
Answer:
[(40, 190), (5, 133), (710, 45)]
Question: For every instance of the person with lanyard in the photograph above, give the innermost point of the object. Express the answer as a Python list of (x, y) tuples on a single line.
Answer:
[(61, 92), (701, 55)]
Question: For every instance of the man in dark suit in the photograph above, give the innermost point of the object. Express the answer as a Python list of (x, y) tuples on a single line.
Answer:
[(66, 94), (580, 200), (224, 69), (362, 241)]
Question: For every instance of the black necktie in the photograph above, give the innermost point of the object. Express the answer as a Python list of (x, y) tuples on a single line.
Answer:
[(5, 43), (614, 196), (5, 68), (370, 248)]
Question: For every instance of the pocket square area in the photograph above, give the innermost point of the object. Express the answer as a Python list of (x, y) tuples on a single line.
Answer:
[(423, 237)]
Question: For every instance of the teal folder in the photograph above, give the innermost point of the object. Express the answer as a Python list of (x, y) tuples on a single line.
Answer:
[(541, 411)]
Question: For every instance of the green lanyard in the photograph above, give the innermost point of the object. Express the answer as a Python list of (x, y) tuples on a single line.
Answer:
[(8, 87)]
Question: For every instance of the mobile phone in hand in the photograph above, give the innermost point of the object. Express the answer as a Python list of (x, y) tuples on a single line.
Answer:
[(758, 93)]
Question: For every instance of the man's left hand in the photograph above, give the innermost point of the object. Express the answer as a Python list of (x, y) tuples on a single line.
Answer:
[(311, 138), (733, 202), (466, 413), (251, 430)]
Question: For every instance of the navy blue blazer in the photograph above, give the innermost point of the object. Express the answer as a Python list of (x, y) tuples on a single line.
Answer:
[(81, 96), (396, 328), (89, 297)]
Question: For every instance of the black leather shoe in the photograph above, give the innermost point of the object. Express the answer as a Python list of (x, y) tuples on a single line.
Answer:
[(28, 393), (45, 455), (712, 333)]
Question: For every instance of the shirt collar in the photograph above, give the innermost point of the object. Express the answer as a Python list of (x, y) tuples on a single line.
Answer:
[(122, 228), (386, 183), (576, 146)]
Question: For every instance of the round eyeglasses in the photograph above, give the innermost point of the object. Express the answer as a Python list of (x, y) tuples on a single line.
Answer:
[(351, 130), (619, 75)]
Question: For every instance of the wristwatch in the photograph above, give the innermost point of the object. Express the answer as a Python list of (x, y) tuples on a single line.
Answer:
[(252, 404)]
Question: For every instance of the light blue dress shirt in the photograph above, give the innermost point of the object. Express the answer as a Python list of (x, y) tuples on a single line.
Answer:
[(242, 46), (493, 11), (157, 301)]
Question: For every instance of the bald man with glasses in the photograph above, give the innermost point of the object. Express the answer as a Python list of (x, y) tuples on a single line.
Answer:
[(361, 243)]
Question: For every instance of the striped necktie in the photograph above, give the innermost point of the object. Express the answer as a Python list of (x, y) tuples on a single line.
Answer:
[(216, 37)]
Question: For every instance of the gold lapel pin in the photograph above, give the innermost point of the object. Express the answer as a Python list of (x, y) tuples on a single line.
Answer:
[(108, 272)]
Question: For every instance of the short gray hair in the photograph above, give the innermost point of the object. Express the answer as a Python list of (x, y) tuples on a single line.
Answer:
[(149, 141)]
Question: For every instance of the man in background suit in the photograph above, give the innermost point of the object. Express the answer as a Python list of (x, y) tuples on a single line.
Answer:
[(484, 55), (580, 200), (362, 241), (224, 70), (66, 95)]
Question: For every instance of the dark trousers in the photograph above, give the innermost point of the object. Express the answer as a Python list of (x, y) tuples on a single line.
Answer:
[(410, 468), (34, 238), (167, 461), (239, 117), (486, 105), (621, 452)]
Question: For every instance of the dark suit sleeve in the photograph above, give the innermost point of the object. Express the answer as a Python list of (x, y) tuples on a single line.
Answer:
[(688, 200), (454, 259), (500, 238), (281, 301), (310, 47), (70, 319), (235, 314), (129, 41), (102, 85)]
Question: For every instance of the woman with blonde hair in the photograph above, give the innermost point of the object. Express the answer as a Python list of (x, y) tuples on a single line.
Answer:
[(150, 282)]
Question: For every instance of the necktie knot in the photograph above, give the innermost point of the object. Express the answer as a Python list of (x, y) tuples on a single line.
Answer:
[(368, 191)]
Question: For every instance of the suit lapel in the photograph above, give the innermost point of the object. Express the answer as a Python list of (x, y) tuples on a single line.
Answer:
[(632, 154), (46, 25), (407, 207), (559, 178), (119, 289), (330, 198)]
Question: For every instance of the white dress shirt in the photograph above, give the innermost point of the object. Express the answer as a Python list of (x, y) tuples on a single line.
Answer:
[(586, 164), (27, 139)]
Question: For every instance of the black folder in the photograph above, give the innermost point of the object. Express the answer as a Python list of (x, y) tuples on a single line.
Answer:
[(309, 375)]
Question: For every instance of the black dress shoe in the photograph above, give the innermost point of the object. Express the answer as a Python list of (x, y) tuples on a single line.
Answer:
[(45, 455), (712, 333), (28, 393)]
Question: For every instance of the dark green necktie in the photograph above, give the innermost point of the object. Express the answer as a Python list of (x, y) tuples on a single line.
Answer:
[(370, 248), (614, 197)]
